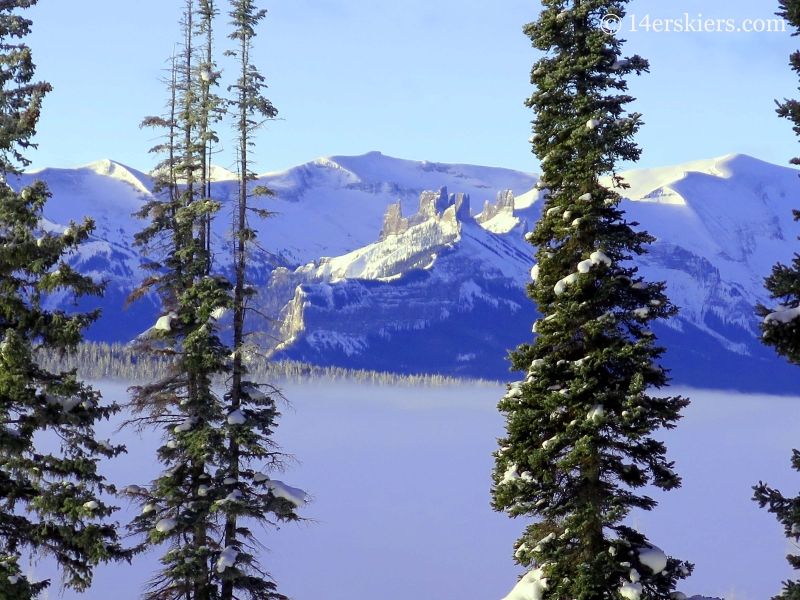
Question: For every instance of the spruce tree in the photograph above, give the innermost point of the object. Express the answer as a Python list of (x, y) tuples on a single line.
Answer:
[(252, 407), (211, 108), (177, 506), (779, 330), (51, 501), (199, 504), (579, 426)]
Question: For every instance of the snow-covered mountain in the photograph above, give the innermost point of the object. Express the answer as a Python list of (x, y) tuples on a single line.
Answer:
[(370, 262)]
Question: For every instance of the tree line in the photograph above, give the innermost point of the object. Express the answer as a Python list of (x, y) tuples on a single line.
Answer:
[(98, 361)]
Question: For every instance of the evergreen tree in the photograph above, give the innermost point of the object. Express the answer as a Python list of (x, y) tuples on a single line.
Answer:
[(177, 506), (210, 108), (199, 505), (51, 502), (579, 425), (252, 407), (780, 331)]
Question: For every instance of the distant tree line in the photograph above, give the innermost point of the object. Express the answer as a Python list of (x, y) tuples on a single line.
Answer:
[(97, 361)]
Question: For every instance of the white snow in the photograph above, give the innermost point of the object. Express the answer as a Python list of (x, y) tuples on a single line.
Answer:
[(236, 418), (202, 490), (654, 558), (133, 489), (70, 403), (281, 490), (227, 558), (12, 579), (597, 257), (148, 508), (535, 273), (166, 525), (514, 390), (592, 123), (530, 587), (91, 505), (259, 477), (642, 313), (511, 474), (631, 591), (585, 266), (586, 197), (254, 393), (164, 323), (596, 413), (234, 496), (66, 403), (561, 285), (782, 314), (187, 424)]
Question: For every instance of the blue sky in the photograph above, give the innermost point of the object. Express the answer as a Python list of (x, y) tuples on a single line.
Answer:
[(438, 80)]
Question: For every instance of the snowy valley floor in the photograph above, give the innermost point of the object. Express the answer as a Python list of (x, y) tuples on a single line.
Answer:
[(400, 478)]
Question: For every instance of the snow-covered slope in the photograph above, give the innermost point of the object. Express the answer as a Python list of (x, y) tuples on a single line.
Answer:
[(365, 270), (334, 205)]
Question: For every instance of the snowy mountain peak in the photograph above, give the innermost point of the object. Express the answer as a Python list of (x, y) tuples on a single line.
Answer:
[(419, 292), (222, 174), (109, 168)]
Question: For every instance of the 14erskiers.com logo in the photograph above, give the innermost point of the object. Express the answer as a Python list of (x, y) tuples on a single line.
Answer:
[(689, 24)]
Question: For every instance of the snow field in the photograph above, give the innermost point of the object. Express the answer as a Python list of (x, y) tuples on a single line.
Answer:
[(400, 483)]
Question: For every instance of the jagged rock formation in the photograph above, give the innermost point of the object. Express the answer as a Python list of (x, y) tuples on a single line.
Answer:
[(505, 204), (455, 208), (393, 221), (437, 273)]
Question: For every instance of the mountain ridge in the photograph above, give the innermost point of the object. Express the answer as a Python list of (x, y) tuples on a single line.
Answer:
[(372, 263)]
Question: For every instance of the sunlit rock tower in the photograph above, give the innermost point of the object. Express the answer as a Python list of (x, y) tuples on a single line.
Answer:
[(579, 426), (780, 330)]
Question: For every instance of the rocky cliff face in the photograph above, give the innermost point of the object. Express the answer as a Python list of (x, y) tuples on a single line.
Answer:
[(435, 274)]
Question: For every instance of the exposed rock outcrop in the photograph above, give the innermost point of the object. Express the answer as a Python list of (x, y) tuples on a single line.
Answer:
[(393, 221), (505, 203), (453, 208)]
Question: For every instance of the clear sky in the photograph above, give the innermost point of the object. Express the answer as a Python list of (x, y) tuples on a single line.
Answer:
[(438, 80)]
